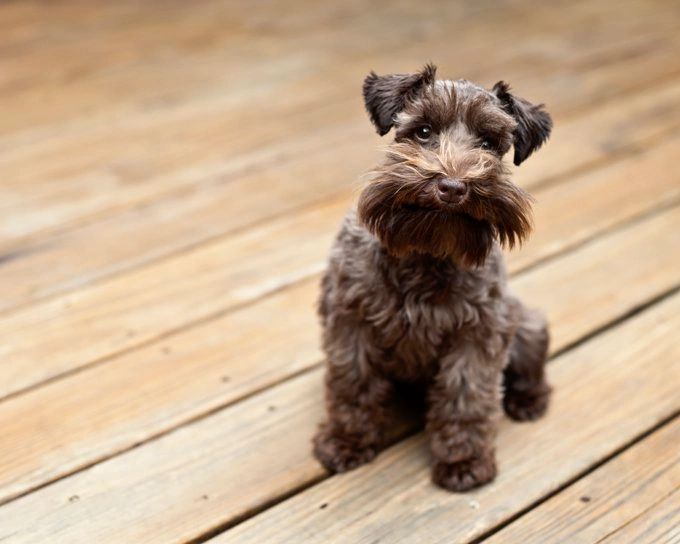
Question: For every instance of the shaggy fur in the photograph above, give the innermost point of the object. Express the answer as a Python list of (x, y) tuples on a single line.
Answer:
[(416, 290)]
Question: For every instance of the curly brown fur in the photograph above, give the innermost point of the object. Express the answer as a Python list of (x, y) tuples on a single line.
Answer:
[(416, 290)]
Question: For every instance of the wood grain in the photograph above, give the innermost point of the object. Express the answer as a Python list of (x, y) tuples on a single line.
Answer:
[(172, 177), (609, 498), (609, 271), (71, 176), (141, 49), (149, 391), (68, 261), (593, 413), (99, 412), (204, 474), (160, 299), (660, 524), (136, 397)]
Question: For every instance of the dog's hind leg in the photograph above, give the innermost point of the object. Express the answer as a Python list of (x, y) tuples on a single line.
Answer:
[(526, 390)]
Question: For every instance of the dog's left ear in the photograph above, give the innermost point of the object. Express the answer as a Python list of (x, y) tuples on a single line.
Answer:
[(533, 122), (385, 96)]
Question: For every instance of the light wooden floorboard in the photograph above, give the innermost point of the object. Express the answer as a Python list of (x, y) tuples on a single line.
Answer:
[(135, 308), (173, 174), (658, 525), (51, 187), (608, 499), (242, 457), (593, 413), (150, 390), (66, 261)]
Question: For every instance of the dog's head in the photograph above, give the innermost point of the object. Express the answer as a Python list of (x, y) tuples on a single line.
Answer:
[(443, 188)]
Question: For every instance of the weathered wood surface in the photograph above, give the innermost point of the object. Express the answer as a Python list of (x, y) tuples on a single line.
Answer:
[(151, 390), (660, 524), (604, 502), (267, 436), (605, 396), (175, 223), (171, 180), (103, 320), (155, 120)]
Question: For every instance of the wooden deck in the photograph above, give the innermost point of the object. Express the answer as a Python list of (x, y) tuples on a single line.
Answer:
[(171, 176)]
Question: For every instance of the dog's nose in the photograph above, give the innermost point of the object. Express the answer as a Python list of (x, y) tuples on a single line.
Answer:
[(451, 190)]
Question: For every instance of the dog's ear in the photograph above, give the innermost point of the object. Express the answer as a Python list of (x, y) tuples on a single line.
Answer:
[(385, 96), (533, 122)]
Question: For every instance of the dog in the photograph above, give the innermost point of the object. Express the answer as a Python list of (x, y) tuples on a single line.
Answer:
[(416, 291)]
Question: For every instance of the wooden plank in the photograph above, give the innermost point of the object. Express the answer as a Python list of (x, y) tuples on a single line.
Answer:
[(616, 128), (95, 414), (659, 525), (602, 261), (183, 134), (593, 413), (143, 305), (607, 499), (205, 474), (54, 187), (149, 57), (108, 176), (67, 261), (154, 59)]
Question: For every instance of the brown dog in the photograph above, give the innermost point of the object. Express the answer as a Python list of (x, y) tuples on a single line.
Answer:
[(416, 290)]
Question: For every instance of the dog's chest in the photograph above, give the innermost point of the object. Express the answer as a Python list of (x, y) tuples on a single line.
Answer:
[(421, 313)]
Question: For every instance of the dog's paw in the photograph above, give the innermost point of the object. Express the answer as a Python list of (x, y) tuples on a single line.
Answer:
[(526, 405), (464, 475), (340, 454)]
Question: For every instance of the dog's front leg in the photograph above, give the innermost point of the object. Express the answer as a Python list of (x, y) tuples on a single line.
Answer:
[(464, 402), (356, 399)]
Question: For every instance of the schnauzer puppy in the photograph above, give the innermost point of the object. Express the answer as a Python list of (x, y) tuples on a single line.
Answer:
[(416, 290)]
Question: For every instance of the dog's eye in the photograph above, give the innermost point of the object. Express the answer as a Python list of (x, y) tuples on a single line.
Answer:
[(486, 145), (423, 133)]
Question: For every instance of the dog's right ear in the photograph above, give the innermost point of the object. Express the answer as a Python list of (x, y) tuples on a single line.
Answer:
[(385, 96)]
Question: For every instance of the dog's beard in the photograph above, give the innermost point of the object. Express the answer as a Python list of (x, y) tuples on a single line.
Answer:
[(505, 206), (399, 209), (437, 233)]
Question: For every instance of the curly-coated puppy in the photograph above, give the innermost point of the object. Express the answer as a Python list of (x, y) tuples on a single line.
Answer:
[(416, 290)]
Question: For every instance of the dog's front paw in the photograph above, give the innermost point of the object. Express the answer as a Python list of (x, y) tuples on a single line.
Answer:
[(338, 453), (526, 405), (464, 475)]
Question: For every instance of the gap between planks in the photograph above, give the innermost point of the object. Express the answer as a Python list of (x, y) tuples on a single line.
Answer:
[(566, 334), (535, 459), (624, 205), (660, 523), (581, 511), (168, 493), (209, 535), (172, 235), (609, 90)]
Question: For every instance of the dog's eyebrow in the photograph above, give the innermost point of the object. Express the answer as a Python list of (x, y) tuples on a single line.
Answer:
[(435, 110), (484, 117)]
